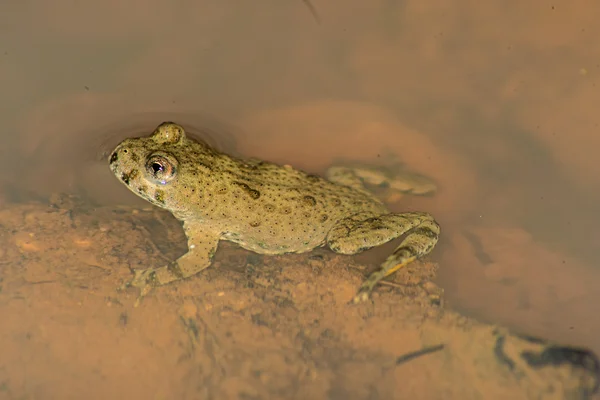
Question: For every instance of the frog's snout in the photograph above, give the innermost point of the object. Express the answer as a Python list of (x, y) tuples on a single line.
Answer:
[(114, 157)]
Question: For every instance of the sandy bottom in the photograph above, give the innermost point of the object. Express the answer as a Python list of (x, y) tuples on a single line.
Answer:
[(250, 327)]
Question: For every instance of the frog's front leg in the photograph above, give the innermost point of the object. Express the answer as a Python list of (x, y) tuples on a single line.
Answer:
[(361, 232), (202, 245)]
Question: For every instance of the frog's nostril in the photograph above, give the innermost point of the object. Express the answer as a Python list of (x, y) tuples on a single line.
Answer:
[(113, 157)]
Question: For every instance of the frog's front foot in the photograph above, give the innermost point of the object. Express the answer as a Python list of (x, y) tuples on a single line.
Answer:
[(143, 280)]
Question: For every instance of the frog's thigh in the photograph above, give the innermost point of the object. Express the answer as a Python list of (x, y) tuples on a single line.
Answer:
[(201, 248), (352, 235)]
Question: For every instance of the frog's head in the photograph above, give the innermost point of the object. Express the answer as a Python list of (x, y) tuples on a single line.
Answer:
[(149, 166)]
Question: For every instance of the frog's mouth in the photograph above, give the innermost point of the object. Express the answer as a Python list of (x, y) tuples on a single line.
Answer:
[(118, 169), (153, 195), (127, 178)]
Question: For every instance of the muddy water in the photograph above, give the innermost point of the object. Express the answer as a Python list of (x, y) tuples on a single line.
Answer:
[(494, 100)]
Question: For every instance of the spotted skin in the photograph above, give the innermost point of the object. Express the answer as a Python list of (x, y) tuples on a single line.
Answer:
[(261, 206)]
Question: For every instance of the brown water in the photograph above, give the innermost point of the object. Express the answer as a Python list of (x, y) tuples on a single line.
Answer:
[(497, 101)]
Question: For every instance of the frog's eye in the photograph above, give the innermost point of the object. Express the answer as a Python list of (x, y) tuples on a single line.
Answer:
[(161, 167)]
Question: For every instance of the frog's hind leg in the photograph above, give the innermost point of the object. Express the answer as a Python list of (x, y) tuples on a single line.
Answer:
[(418, 243), (387, 182), (348, 176), (353, 235)]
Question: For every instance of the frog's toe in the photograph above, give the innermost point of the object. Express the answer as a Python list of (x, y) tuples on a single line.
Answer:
[(142, 280)]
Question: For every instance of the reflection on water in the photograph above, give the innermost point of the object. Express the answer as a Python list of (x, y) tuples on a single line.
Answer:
[(494, 101)]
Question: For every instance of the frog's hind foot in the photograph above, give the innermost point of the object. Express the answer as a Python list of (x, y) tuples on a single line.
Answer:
[(419, 242)]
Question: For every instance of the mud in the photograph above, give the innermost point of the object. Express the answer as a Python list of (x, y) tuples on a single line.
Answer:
[(250, 327)]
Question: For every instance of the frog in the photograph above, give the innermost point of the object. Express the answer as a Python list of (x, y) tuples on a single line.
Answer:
[(389, 181), (262, 206)]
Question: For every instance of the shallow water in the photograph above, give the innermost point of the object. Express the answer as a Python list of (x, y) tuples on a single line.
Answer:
[(494, 100)]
